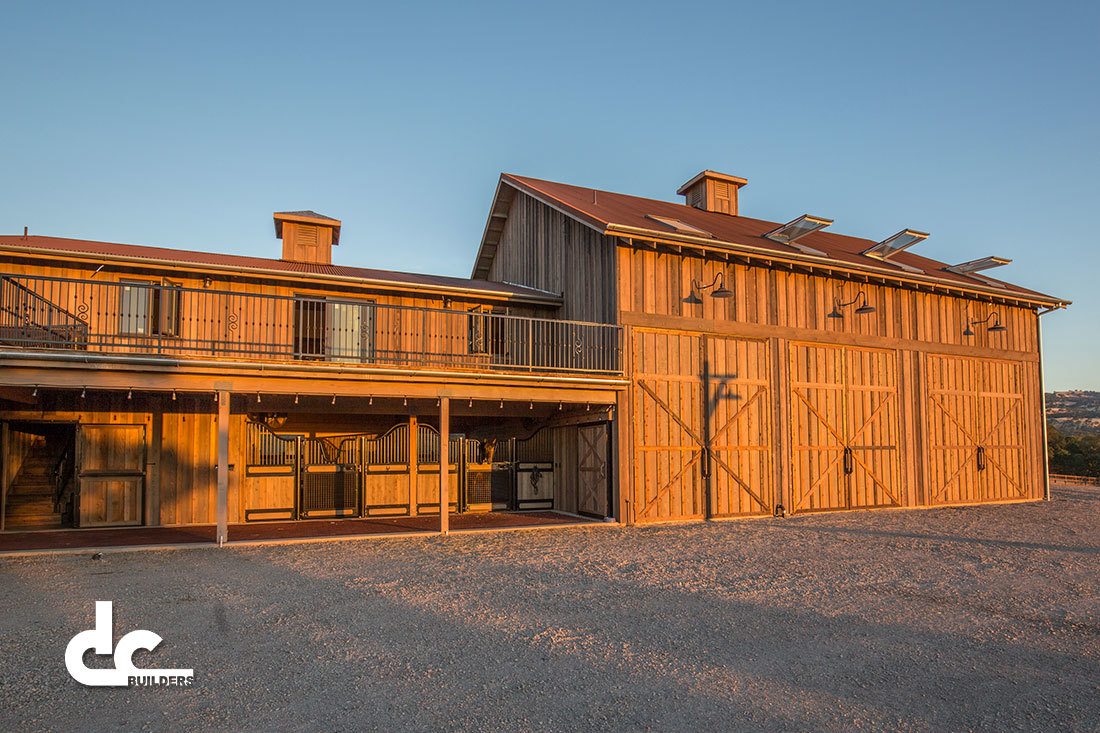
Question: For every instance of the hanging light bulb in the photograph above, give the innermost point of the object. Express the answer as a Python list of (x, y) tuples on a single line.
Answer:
[(405, 402), (35, 392), (471, 404), (173, 395), (502, 404), (531, 406), (295, 399), (83, 392), (334, 399), (559, 407), (130, 394), (371, 400), (258, 398)]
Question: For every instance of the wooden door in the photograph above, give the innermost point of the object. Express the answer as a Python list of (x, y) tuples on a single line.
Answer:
[(111, 472), (872, 428), (975, 431), (701, 427), (844, 428), (739, 407), (668, 426), (592, 469)]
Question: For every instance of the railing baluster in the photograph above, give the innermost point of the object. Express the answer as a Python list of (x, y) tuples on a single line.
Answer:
[(156, 318)]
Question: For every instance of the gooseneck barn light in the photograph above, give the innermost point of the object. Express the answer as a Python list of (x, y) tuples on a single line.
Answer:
[(861, 298), (718, 284), (995, 327)]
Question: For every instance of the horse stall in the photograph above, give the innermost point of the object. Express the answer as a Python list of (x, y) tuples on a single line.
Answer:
[(394, 472)]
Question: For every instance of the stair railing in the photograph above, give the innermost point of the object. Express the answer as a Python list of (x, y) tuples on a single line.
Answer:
[(61, 474)]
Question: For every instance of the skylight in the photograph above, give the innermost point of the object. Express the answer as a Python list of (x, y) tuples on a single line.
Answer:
[(890, 246), (985, 263), (800, 227), (679, 226)]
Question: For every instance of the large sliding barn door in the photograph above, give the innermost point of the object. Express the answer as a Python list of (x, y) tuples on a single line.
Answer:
[(111, 473), (976, 431), (844, 428), (702, 427)]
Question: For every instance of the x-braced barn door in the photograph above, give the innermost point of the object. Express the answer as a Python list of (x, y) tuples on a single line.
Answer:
[(702, 427), (976, 431), (844, 428), (593, 481)]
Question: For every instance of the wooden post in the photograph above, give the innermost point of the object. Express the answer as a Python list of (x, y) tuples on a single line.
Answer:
[(223, 467), (444, 462), (414, 475)]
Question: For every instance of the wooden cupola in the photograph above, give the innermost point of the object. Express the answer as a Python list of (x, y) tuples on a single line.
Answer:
[(307, 236), (711, 191)]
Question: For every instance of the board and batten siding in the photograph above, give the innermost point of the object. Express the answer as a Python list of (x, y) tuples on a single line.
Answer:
[(895, 408), (175, 462), (545, 249)]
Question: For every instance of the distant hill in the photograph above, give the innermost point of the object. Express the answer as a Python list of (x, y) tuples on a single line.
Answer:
[(1076, 412)]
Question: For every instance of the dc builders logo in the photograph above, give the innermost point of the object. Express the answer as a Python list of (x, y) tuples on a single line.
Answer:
[(124, 673)]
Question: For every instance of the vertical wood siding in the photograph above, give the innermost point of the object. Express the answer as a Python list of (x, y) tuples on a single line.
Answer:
[(542, 248)]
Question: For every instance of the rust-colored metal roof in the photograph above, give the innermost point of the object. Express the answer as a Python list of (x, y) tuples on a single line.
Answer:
[(605, 210), (165, 257)]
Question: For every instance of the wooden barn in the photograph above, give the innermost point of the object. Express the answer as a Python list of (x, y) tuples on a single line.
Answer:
[(779, 368), (610, 357)]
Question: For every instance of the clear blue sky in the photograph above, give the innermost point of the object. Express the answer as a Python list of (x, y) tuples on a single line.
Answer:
[(187, 124)]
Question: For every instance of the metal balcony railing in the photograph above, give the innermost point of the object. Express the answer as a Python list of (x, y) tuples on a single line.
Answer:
[(158, 318)]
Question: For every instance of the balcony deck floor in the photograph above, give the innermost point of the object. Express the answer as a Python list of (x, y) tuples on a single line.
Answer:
[(91, 539)]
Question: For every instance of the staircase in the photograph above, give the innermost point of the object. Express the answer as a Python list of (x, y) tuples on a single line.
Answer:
[(30, 502)]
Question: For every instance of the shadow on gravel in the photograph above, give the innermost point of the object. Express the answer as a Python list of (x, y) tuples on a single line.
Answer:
[(1015, 544)]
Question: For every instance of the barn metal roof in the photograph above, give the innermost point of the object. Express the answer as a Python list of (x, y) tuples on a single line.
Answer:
[(166, 258), (632, 216)]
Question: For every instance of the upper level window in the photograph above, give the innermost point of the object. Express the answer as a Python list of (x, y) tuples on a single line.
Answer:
[(149, 309)]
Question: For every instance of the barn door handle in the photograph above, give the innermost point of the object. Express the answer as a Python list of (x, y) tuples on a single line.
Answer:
[(848, 468), (706, 463), (981, 458)]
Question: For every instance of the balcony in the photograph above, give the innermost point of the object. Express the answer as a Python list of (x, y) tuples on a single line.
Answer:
[(51, 314)]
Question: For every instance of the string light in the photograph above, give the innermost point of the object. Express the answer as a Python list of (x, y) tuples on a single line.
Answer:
[(405, 402), (130, 393), (502, 404), (173, 395), (370, 401), (559, 407), (295, 399), (83, 392), (35, 392), (334, 399), (258, 398)]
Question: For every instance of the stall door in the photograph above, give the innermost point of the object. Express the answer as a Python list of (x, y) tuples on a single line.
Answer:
[(593, 484), (701, 427), (975, 431), (844, 428), (111, 472)]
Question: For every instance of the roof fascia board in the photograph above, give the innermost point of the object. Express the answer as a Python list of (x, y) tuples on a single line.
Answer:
[(296, 277), (806, 259)]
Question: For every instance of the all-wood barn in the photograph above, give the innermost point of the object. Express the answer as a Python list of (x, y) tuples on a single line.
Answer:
[(611, 356)]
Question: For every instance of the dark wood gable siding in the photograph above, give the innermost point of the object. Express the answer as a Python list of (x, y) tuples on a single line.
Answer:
[(542, 248)]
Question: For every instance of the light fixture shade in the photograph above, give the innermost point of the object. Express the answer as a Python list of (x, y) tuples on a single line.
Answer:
[(693, 299), (865, 308), (969, 331), (835, 313), (997, 328), (722, 292)]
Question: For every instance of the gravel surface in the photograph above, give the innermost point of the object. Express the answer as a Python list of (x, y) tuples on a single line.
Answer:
[(952, 619)]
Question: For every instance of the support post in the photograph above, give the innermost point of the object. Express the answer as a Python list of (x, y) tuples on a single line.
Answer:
[(444, 462), (223, 467), (414, 475)]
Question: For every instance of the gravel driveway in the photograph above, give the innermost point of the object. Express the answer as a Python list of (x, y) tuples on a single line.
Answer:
[(970, 618)]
